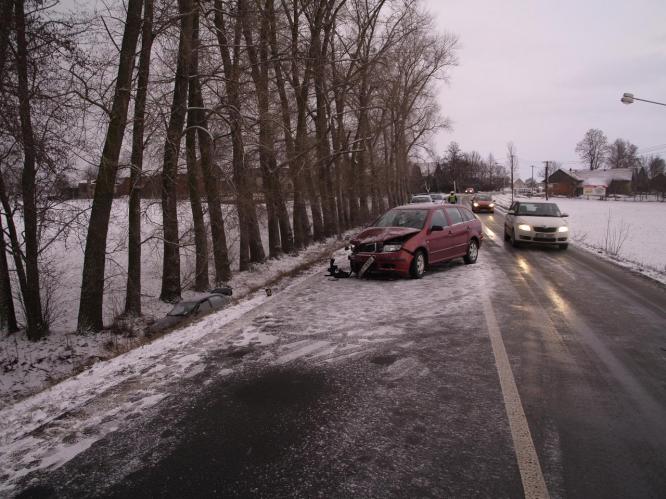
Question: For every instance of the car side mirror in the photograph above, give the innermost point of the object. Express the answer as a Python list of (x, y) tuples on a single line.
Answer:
[(564, 215), (435, 228), (511, 212)]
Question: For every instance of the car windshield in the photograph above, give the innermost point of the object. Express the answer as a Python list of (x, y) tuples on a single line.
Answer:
[(437, 197), (183, 308), (539, 210), (403, 218), (483, 197), (421, 199)]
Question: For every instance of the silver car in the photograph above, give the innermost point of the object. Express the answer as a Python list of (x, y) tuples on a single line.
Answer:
[(536, 222), (420, 198), (188, 309)]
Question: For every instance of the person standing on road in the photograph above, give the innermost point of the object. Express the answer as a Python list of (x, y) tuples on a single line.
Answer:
[(453, 199)]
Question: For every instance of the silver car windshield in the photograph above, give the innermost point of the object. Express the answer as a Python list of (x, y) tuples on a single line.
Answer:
[(539, 210), (414, 219), (421, 199)]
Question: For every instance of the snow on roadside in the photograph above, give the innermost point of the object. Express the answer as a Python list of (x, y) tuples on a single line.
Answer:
[(28, 367), (599, 226), (49, 428)]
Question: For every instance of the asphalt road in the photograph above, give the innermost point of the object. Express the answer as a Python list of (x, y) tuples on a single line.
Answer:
[(533, 372)]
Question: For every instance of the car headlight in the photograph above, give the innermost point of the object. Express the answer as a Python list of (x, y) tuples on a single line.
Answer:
[(391, 247), (492, 205), (564, 228), (524, 227), (476, 204)]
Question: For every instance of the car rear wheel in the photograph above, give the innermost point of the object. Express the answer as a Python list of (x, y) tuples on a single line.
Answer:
[(506, 235), (417, 268), (472, 252)]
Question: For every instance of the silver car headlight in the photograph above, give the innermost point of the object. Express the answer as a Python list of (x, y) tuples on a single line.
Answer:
[(492, 205), (524, 227), (476, 204), (564, 228), (391, 247)]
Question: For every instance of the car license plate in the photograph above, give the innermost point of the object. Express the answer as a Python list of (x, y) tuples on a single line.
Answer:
[(545, 238), (366, 266)]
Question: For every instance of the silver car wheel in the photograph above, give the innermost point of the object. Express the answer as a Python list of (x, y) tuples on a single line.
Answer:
[(420, 264), (473, 251)]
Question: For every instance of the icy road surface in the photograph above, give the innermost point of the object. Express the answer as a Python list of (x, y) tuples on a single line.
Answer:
[(534, 372)]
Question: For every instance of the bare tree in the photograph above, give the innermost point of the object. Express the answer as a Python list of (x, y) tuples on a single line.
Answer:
[(7, 314), (133, 291), (201, 282), (171, 288), (251, 248), (592, 149), (655, 165), (622, 154), (36, 328), (211, 176), (280, 236), (92, 284)]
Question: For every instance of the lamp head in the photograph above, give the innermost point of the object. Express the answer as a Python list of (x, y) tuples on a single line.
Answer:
[(627, 98)]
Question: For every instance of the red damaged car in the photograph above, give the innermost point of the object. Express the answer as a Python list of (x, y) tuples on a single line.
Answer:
[(406, 239)]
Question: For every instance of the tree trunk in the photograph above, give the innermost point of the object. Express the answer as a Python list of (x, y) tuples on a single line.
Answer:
[(7, 313), (301, 223), (92, 284), (13, 239), (321, 130), (36, 328), (266, 142), (251, 248), (211, 175), (133, 290), (201, 282), (171, 262)]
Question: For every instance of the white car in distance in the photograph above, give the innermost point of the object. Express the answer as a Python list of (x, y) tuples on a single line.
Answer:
[(534, 222), (420, 198)]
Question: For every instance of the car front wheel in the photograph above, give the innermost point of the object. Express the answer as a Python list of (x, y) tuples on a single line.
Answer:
[(417, 268), (563, 246), (472, 252), (514, 241)]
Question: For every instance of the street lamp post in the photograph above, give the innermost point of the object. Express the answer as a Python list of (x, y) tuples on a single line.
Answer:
[(532, 186), (628, 98)]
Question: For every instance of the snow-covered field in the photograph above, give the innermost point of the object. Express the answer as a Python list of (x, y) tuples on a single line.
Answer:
[(28, 367), (631, 233)]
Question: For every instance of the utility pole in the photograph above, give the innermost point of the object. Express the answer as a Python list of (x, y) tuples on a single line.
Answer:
[(546, 178), (532, 186), (512, 179)]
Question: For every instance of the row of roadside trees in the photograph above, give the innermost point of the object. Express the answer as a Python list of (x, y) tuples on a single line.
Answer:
[(336, 95)]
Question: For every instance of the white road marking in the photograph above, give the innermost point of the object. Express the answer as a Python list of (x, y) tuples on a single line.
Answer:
[(534, 485)]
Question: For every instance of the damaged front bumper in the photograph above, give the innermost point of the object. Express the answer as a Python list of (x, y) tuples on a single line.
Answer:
[(391, 262)]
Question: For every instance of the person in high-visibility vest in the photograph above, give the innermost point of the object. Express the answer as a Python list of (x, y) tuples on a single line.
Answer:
[(453, 199)]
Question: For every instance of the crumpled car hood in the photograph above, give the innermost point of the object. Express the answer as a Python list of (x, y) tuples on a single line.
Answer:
[(380, 234)]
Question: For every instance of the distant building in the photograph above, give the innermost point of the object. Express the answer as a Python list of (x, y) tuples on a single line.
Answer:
[(600, 183)]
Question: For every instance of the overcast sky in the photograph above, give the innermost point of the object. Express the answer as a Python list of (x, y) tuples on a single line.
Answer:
[(540, 73)]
